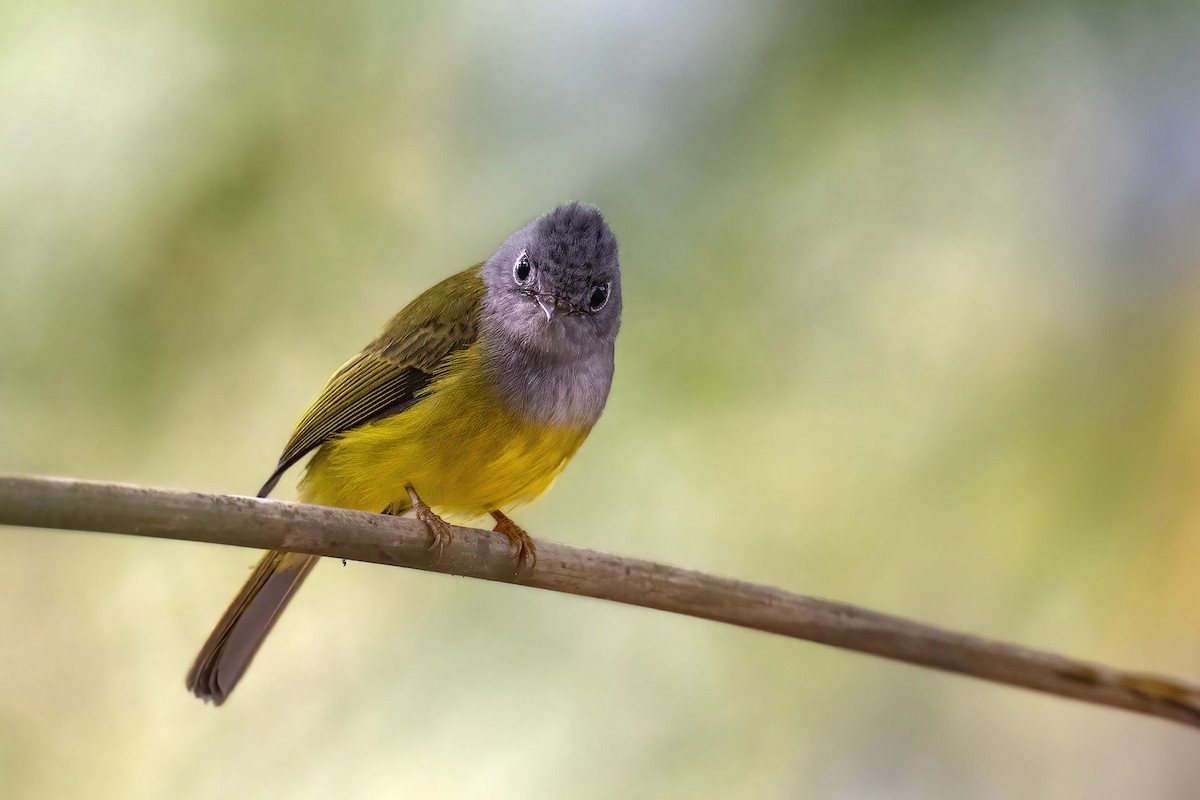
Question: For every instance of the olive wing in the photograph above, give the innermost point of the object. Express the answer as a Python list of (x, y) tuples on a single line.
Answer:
[(388, 375)]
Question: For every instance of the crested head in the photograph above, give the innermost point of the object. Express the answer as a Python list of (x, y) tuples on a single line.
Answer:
[(554, 286)]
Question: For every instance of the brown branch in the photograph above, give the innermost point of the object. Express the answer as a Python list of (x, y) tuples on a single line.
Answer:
[(334, 532)]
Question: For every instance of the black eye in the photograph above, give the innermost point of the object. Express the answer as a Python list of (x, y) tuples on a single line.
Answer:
[(523, 270), (598, 297)]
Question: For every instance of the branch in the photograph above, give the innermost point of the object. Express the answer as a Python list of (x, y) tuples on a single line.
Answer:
[(338, 533)]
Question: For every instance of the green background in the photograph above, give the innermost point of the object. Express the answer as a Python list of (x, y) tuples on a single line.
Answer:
[(911, 321)]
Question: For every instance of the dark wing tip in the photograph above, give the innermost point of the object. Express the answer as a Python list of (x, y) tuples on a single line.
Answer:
[(269, 486)]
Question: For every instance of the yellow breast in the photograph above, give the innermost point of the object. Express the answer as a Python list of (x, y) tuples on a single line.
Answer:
[(461, 446)]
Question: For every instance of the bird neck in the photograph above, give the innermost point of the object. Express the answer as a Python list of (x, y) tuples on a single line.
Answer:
[(551, 389)]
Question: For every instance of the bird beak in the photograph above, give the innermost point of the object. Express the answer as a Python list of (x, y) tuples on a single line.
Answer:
[(548, 304)]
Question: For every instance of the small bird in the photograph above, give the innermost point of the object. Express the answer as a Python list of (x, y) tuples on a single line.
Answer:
[(470, 402)]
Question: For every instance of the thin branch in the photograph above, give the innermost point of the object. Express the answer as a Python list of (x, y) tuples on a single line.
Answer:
[(334, 532)]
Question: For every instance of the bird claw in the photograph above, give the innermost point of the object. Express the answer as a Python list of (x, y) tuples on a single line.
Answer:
[(526, 550), (437, 527)]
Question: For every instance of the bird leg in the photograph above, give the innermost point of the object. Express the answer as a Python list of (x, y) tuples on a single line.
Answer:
[(525, 548), (436, 526)]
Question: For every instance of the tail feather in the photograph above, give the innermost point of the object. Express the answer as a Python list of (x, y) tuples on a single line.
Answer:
[(240, 632)]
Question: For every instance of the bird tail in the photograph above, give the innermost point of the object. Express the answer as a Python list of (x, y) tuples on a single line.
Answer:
[(241, 631)]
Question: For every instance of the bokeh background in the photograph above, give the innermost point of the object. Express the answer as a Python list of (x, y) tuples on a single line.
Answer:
[(912, 321)]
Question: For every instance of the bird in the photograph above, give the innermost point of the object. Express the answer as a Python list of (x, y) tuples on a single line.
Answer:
[(470, 402)]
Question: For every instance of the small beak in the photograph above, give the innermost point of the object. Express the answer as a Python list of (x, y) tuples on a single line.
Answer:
[(548, 304)]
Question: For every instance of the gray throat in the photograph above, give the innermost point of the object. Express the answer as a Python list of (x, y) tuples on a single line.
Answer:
[(552, 390)]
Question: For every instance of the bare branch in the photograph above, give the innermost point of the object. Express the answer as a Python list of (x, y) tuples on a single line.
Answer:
[(334, 532)]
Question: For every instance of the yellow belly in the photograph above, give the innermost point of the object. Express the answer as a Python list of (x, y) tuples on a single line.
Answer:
[(460, 446)]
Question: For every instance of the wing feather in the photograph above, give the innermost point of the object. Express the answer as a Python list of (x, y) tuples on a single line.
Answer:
[(388, 376)]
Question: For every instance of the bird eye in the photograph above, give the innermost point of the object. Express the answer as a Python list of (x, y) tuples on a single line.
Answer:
[(598, 297), (523, 270)]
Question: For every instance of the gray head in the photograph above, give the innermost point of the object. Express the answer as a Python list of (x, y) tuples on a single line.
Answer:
[(555, 285)]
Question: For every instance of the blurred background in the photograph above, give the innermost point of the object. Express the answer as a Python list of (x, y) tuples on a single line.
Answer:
[(912, 321)]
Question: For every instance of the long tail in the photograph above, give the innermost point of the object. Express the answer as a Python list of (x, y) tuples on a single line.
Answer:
[(232, 644)]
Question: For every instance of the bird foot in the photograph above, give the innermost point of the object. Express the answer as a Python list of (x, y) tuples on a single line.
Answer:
[(526, 551), (438, 528)]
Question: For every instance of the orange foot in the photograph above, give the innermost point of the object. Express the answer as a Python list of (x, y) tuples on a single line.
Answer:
[(526, 551), (437, 527)]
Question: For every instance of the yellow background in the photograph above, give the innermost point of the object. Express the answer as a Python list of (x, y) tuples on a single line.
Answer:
[(911, 321)]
